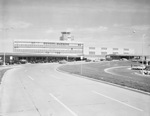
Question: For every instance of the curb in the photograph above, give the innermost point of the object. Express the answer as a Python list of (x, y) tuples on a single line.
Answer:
[(141, 74)]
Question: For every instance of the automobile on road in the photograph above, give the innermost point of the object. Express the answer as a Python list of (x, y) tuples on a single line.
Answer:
[(137, 67), (23, 61), (62, 62), (146, 71), (88, 60)]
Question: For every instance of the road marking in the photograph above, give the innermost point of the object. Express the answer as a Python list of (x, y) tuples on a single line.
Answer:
[(30, 77), (74, 114), (117, 101), (54, 76), (107, 71)]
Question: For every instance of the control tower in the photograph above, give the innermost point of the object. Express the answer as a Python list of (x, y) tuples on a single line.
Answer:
[(66, 36)]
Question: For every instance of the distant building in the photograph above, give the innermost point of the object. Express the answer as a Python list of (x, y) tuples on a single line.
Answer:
[(100, 52), (104, 51)]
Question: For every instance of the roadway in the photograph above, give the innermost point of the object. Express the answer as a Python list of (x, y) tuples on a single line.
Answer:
[(40, 90)]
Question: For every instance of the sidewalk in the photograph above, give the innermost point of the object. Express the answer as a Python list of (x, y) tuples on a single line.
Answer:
[(8, 66)]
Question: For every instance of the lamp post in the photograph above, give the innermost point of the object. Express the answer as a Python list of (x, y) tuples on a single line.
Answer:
[(81, 57), (4, 64), (4, 57), (143, 37), (143, 51), (4, 35)]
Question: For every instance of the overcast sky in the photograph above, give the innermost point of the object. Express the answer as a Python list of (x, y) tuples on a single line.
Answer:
[(100, 23)]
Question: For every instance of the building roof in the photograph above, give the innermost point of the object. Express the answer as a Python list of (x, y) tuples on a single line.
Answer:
[(148, 56), (65, 32), (36, 54), (49, 41)]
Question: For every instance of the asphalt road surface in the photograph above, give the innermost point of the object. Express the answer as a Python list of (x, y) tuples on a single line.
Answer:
[(40, 90)]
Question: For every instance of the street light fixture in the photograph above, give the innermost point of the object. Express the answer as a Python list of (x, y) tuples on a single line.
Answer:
[(143, 37)]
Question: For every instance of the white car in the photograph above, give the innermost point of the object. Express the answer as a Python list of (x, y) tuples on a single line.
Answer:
[(146, 72), (62, 62), (137, 67)]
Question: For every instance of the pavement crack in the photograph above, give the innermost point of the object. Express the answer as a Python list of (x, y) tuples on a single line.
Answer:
[(30, 98)]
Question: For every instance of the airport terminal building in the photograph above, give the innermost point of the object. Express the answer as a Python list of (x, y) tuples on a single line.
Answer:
[(66, 46), (46, 47), (40, 50), (64, 49)]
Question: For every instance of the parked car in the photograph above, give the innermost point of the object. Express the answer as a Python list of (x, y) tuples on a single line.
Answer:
[(102, 59), (147, 67), (62, 62), (11, 62), (23, 61), (134, 60), (137, 67), (124, 59), (109, 59), (96, 60), (146, 71), (88, 60), (1, 62)]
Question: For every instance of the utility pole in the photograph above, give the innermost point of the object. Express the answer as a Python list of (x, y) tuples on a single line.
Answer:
[(4, 64), (81, 57), (142, 52), (4, 37)]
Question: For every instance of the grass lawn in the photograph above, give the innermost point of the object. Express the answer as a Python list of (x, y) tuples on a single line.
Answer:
[(96, 71), (2, 73)]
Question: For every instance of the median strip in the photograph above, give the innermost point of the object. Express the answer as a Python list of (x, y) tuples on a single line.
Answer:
[(2, 72), (125, 78)]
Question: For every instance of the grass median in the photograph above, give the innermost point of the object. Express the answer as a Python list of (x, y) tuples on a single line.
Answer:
[(2, 72), (96, 71)]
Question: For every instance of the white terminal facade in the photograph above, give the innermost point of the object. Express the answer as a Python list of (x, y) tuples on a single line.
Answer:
[(66, 46), (106, 50), (100, 52)]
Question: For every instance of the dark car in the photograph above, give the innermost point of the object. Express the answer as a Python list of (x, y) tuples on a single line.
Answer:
[(1, 62), (23, 61), (147, 68), (102, 59), (88, 60)]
